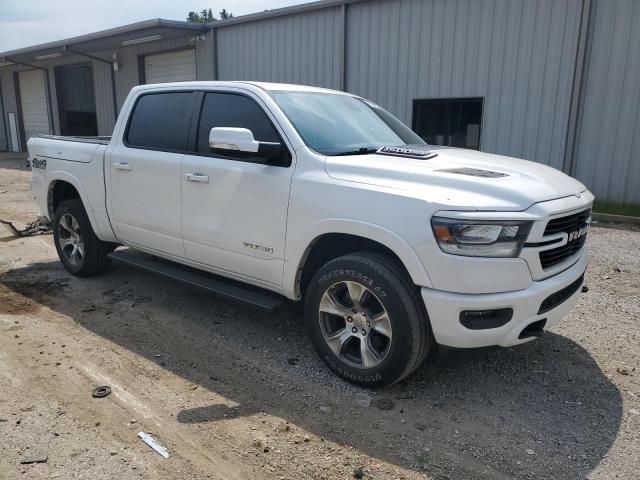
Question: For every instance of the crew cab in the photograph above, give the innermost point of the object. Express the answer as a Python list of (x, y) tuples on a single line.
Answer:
[(324, 197)]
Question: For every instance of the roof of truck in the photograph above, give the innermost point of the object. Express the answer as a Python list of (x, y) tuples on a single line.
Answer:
[(267, 86)]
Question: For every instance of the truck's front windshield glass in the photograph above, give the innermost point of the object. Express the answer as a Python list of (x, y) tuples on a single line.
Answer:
[(334, 124)]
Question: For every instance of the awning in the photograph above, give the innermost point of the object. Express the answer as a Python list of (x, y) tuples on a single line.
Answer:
[(105, 40)]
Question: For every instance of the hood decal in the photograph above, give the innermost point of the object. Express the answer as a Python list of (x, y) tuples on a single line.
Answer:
[(407, 152)]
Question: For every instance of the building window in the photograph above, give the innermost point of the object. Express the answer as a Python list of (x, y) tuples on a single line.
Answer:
[(455, 122)]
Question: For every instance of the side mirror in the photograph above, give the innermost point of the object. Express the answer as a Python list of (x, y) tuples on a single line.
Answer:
[(240, 142)]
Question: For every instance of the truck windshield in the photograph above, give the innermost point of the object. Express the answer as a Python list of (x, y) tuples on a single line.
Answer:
[(334, 124)]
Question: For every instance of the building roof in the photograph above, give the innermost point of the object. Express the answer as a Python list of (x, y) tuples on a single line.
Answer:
[(119, 36), (106, 39)]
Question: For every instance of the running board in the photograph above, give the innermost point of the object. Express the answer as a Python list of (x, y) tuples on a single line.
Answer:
[(219, 285)]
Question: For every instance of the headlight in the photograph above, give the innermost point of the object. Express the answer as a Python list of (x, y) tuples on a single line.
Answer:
[(480, 238)]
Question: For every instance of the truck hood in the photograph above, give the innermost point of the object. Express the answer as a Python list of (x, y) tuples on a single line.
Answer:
[(459, 179)]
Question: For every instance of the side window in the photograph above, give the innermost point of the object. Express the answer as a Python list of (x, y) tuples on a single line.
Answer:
[(160, 121), (230, 110)]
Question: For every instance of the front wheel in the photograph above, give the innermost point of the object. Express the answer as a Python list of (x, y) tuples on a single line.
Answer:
[(80, 251), (366, 321)]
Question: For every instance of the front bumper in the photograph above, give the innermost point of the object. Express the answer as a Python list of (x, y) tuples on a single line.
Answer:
[(444, 310)]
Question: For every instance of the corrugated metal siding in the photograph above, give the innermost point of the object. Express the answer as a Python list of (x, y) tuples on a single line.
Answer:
[(608, 142), (303, 49), (128, 75), (518, 55)]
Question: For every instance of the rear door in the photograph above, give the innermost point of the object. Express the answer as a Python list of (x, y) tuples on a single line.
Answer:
[(179, 66), (145, 174), (234, 213)]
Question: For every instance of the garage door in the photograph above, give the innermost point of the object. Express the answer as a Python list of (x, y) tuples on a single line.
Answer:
[(170, 67), (33, 100)]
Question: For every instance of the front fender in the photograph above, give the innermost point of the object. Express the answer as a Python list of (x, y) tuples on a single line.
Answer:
[(297, 248)]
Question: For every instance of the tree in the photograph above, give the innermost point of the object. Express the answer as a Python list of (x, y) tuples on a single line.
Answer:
[(206, 15), (194, 17)]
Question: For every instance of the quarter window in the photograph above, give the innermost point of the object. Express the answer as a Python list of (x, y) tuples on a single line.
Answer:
[(230, 110), (160, 121)]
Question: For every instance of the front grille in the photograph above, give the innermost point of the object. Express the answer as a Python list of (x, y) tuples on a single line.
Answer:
[(555, 299), (568, 224)]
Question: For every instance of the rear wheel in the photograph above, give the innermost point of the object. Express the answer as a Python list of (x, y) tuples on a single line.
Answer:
[(80, 251), (366, 321)]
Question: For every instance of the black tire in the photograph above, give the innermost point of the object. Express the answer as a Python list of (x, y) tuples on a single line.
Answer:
[(411, 336), (94, 260)]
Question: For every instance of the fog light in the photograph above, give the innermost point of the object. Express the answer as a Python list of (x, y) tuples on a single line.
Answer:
[(483, 319)]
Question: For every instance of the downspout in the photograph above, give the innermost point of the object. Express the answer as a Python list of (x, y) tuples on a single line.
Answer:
[(111, 71), (343, 53), (577, 89)]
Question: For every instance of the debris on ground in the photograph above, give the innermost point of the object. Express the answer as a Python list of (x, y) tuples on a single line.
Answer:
[(149, 440), (420, 426), (325, 409), (39, 457), (293, 360), (384, 404), (38, 227), (585, 289), (358, 473), (363, 400), (101, 392)]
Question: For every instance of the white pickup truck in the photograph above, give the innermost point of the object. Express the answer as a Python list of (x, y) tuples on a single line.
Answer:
[(264, 191)]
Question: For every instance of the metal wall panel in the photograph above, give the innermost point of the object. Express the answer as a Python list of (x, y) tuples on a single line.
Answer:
[(128, 75), (608, 139), (303, 48), (518, 55)]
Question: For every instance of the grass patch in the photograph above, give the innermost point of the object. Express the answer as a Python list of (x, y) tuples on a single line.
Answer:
[(628, 209)]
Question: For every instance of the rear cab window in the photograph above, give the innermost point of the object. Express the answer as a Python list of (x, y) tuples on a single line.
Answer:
[(160, 121)]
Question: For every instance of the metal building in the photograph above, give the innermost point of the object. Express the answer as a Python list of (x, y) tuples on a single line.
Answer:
[(553, 81)]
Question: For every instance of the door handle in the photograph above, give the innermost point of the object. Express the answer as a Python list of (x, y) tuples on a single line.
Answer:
[(196, 177), (122, 166)]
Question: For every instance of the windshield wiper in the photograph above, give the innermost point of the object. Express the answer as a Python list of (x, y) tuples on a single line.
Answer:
[(359, 151)]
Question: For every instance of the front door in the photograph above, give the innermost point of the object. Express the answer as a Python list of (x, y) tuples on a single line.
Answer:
[(234, 210), (145, 174)]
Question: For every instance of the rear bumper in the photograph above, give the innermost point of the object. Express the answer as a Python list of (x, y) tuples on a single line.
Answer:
[(444, 310)]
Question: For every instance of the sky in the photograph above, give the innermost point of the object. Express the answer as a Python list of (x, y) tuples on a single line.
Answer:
[(24, 23)]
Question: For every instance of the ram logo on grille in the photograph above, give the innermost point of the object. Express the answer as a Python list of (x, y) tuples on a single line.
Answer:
[(576, 234)]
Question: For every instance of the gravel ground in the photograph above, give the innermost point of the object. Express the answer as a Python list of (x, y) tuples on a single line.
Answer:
[(236, 393)]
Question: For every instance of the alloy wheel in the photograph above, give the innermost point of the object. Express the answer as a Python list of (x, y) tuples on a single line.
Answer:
[(355, 324), (70, 240)]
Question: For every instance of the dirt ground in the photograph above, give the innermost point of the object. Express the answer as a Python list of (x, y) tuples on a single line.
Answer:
[(234, 393)]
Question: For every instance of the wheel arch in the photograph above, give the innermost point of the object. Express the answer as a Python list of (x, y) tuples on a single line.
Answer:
[(335, 238), (63, 187)]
